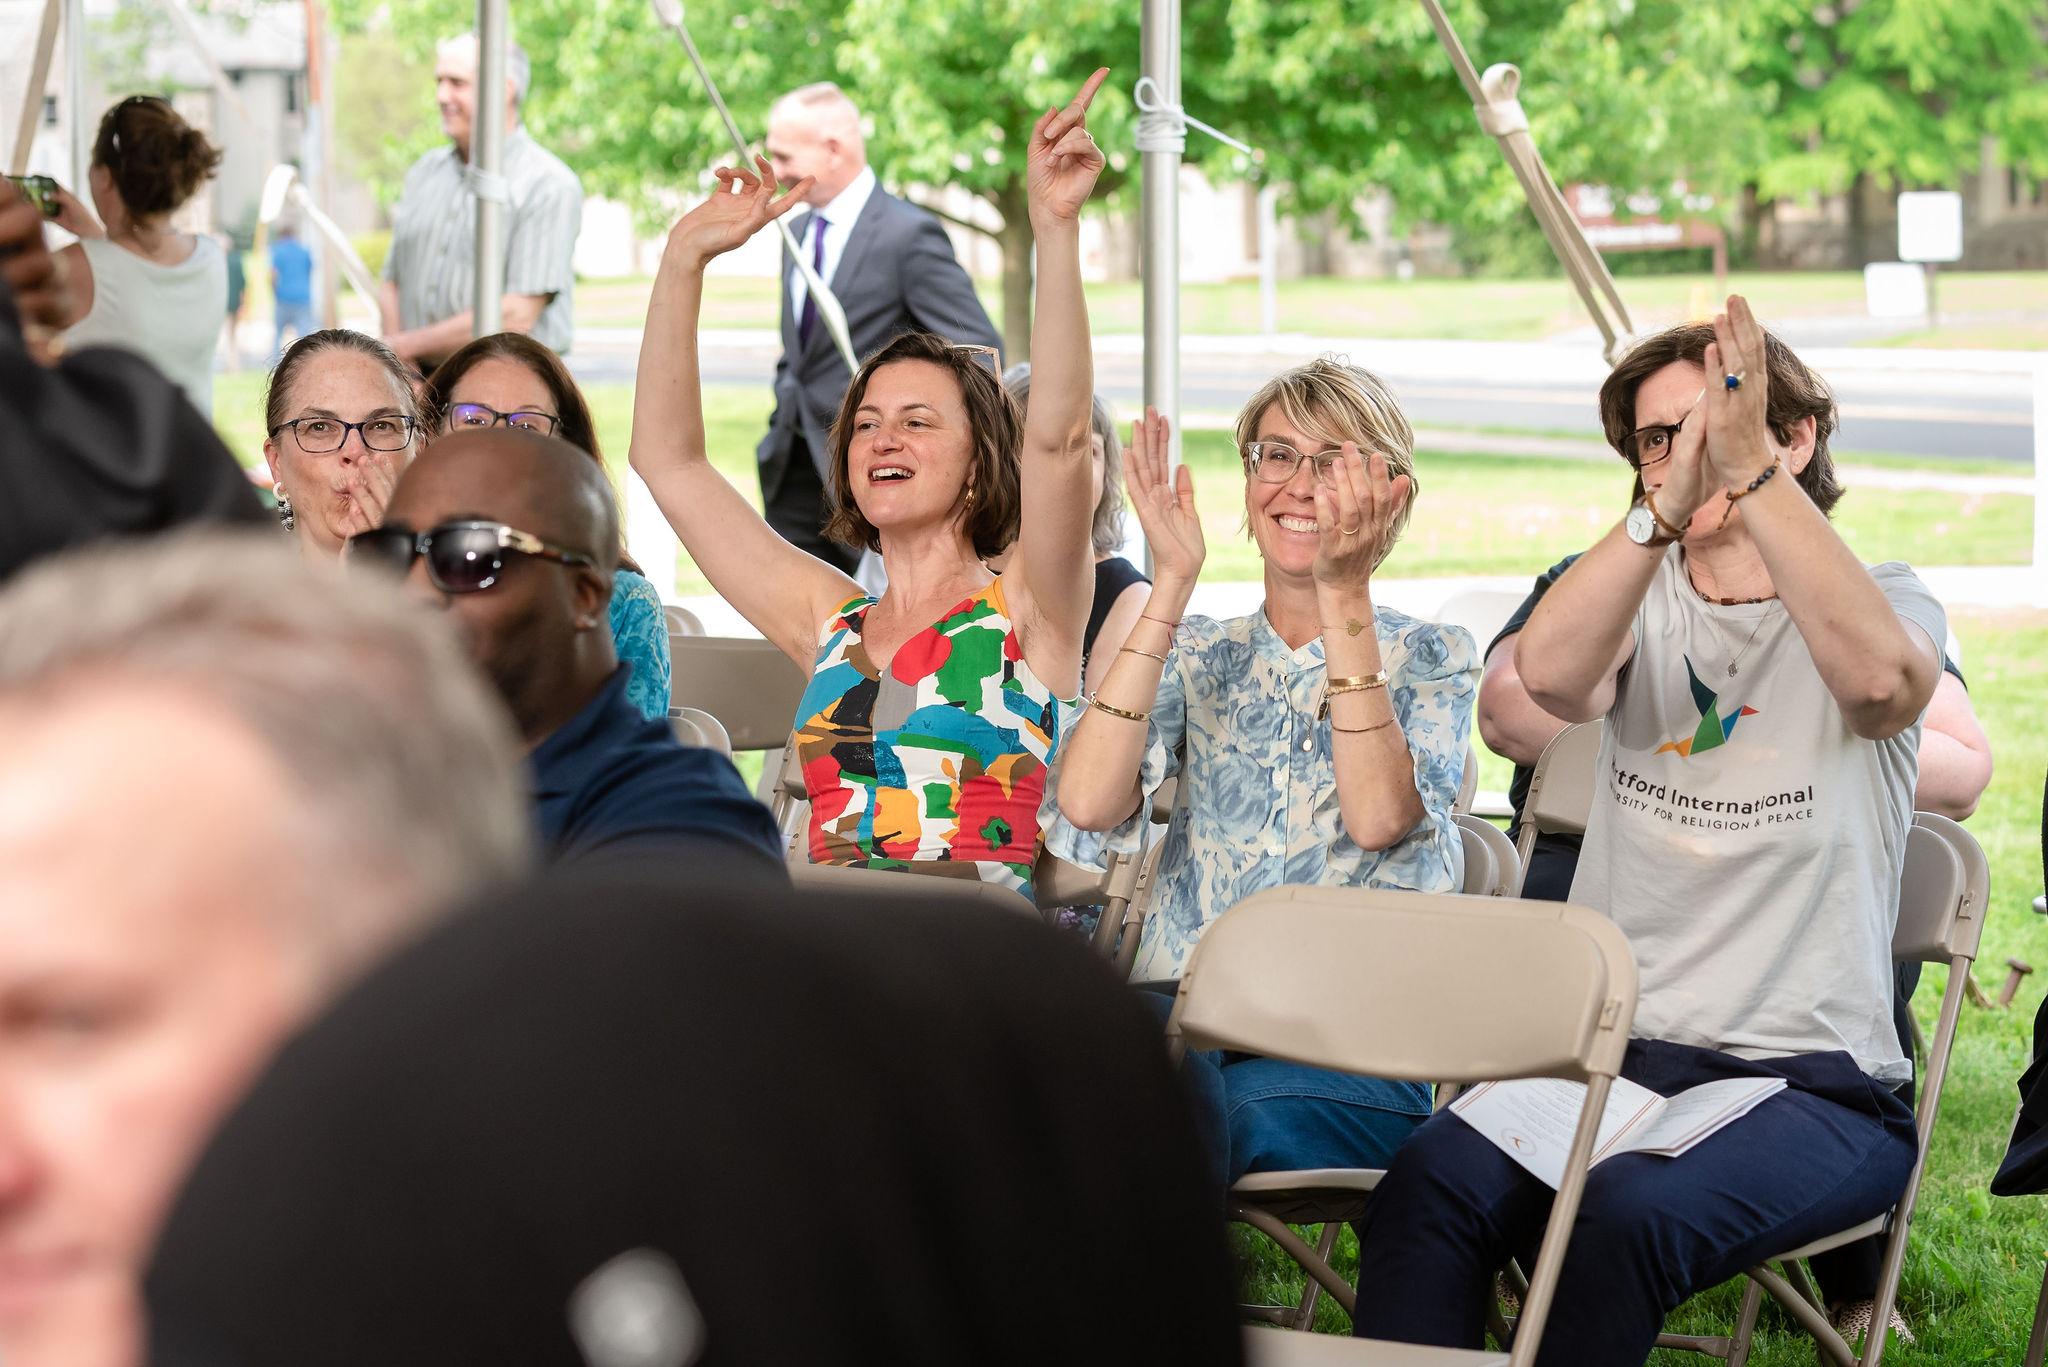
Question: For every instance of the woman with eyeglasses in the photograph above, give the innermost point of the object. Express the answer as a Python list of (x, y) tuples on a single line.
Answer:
[(508, 379), (1320, 740), (137, 282), (341, 421), (934, 709)]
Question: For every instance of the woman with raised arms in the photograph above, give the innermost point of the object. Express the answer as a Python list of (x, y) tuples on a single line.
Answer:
[(933, 710)]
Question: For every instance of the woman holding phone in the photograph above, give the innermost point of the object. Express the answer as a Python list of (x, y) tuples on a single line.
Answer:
[(933, 710)]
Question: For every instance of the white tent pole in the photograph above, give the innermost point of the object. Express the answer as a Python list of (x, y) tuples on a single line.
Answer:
[(1269, 260), (75, 96), (1160, 144), (486, 160), (2040, 576), (38, 83)]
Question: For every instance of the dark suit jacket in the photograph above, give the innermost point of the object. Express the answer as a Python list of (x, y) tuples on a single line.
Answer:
[(897, 275)]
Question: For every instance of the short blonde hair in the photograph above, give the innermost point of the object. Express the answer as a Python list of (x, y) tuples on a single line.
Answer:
[(1335, 401)]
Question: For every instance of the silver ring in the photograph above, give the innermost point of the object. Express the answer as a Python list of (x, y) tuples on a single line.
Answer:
[(1735, 381)]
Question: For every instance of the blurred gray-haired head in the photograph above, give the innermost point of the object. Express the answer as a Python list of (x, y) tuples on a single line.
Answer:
[(402, 756), (1106, 527), (518, 67)]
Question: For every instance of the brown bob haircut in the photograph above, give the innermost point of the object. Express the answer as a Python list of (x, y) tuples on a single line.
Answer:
[(1795, 393), (997, 426)]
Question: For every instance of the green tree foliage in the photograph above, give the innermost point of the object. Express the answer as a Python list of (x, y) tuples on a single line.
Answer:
[(1899, 90)]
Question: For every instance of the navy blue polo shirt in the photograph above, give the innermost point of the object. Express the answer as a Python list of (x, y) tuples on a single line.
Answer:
[(610, 779)]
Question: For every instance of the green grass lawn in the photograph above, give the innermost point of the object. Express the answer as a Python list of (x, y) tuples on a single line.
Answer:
[(1500, 310), (1976, 1262)]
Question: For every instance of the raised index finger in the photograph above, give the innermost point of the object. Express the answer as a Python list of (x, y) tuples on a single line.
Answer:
[(1076, 112)]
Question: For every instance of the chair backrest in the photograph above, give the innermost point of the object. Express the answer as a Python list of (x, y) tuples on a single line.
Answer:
[(1944, 891), (748, 684), (1424, 986), (1482, 874), (1560, 788), (1503, 867), (682, 621), (699, 729), (908, 887), (1561, 785), (1467, 785)]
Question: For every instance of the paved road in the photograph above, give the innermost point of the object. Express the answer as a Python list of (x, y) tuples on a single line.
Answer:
[(1974, 406)]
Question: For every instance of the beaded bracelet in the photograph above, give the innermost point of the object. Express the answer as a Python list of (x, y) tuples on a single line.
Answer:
[(1148, 654), (1101, 706), (1361, 730), (1731, 495)]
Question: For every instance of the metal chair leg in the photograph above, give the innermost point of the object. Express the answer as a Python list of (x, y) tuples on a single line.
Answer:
[(1745, 1323), (1305, 1315), (2037, 1341), (1296, 1248)]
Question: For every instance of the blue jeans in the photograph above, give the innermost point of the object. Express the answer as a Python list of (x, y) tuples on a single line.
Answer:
[(1260, 1114), (296, 318), (1830, 1151)]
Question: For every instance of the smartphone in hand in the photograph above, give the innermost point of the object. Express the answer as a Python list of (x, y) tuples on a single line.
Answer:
[(40, 191)]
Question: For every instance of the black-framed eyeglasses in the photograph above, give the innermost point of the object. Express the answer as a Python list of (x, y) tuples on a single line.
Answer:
[(480, 415), (319, 436), (1646, 446), (1275, 462), (462, 557), (985, 354)]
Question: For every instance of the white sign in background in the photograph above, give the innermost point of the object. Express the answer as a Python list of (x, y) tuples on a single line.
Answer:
[(1930, 225)]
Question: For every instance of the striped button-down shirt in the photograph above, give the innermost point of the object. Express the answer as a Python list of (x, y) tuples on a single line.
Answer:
[(433, 237)]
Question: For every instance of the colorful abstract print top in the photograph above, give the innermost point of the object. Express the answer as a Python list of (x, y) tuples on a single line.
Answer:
[(939, 765)]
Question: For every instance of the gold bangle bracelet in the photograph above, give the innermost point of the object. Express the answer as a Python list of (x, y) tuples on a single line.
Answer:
[(1148, 654), (1361, 730), (1356, 682), (1101, 706)]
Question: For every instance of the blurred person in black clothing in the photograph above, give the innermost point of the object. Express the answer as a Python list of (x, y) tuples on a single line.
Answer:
[(98, 443)]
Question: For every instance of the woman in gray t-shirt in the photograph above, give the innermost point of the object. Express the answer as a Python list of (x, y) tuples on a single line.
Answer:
[(1762, 691)]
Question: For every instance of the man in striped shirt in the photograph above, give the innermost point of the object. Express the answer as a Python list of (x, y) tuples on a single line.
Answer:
[(430, 272)]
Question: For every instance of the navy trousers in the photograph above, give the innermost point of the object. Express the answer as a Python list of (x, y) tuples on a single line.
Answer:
[(1830, 1151)]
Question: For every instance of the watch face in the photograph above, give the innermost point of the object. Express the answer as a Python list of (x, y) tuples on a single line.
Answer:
[(1642, 528)]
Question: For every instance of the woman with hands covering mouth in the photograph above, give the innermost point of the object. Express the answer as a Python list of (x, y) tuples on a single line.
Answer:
[(1319, 740), (934, 709)]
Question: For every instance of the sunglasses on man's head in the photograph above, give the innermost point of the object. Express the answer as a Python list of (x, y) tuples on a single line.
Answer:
[(462, 557)]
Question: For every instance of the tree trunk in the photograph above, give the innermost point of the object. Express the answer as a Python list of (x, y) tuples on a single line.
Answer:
[(1016, 241)]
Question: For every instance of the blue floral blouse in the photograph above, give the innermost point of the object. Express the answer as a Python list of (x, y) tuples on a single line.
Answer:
[(1257, 802), (640, 634)]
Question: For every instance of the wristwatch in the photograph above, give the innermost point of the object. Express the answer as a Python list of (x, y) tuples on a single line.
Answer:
[(1646, 528)]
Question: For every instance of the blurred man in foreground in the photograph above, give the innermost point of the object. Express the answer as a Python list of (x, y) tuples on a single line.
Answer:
[(229, 781)]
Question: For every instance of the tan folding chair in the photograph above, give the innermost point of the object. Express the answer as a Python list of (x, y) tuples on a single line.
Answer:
[(1468, 786), (1560, 788), (698, 729), (681, 621), (1942, 898), (748, 684), (907, 887), (1351, 979), (1492, 867)]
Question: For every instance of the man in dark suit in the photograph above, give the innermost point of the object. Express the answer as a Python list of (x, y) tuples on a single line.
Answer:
[(892, 268)]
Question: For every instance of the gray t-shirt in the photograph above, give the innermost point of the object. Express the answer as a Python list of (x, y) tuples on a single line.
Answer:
[(1745, 840)]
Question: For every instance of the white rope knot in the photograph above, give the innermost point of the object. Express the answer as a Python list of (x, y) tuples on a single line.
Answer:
[(488, 185), (1500, 113), (1163, 126)]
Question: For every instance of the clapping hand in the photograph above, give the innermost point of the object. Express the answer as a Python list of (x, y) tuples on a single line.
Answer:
[(1356, 513), (1165, 504), (744, 203), (1737, 434), (1063, 161)]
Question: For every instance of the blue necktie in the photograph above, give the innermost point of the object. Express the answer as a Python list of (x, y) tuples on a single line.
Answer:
[(809, 318)]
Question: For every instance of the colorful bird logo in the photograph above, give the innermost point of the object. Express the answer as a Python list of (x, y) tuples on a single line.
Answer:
[(1714, 729)]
